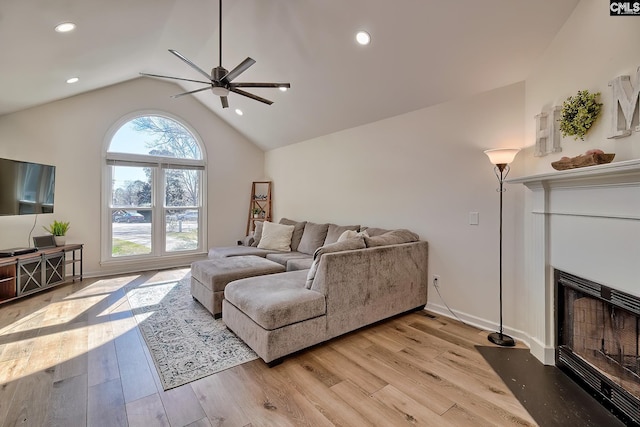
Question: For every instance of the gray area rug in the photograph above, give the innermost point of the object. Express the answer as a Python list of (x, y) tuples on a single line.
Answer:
[(186, 342)]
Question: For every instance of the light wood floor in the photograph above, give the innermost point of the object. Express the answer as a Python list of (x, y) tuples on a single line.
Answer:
[(73, 356)]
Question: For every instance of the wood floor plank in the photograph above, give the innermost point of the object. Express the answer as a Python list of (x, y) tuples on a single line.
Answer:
[(220, 398), (30, 404), (412, 411), (10, 372), (68, 404), (344, 368), (147, 412), (326, 401), (105, 405), (135, 374), (376, 412)]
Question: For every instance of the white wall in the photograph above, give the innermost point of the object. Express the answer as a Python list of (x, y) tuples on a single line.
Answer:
[(591, 49), (70, 134), (424, 171)]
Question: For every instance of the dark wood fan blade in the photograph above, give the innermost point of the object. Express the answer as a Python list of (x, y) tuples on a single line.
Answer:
[(175, 78), (190, 92), (250, 95), (191, 64), (287, 85), (225, 102), (241, 68)]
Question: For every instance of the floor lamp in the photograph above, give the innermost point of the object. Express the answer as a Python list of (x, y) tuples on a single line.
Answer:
[(501, 158)]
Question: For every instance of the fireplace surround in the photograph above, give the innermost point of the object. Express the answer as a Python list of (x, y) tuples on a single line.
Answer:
[(586, 223)]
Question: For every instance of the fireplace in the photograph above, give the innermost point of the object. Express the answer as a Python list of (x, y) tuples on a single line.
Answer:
[(598, 341)]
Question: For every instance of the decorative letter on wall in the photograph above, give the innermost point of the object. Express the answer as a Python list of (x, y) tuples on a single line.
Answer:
[(548, 132), (625, 100)]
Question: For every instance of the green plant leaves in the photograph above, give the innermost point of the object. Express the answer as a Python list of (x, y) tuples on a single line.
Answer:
[(578, 114)]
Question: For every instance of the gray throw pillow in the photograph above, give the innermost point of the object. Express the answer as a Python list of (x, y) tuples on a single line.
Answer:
[(393, 237), (346, 245), (334, 232), (312, 237), (257, 234), (297, 231)]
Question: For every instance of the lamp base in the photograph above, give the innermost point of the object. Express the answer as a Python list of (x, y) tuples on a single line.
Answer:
[(501, 339)]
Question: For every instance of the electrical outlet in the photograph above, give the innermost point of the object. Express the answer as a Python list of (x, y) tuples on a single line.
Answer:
[(436, 280)]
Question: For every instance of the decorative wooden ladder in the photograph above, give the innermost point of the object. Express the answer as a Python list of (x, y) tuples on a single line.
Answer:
[(260, 204)]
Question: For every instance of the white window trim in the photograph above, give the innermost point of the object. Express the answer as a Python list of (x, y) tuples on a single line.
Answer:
[(157, 254)]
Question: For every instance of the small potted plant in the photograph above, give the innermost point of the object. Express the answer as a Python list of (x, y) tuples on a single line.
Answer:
[(256, 212), (59, 230)]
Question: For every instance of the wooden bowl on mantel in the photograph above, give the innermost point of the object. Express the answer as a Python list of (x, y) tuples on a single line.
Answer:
[(583, 160)]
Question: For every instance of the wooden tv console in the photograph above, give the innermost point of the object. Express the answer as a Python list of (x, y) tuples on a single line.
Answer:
[(25, 274)]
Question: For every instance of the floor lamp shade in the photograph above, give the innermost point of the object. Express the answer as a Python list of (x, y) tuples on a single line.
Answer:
[(501, 158)]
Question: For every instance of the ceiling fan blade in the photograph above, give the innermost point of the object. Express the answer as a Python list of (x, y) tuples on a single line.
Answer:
[(190, 92), (287, 85), (175, 78), (241, 68), (225, 102), (250, 95), (191, 64)]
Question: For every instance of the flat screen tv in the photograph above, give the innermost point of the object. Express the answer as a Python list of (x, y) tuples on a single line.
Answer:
[(26, 188)]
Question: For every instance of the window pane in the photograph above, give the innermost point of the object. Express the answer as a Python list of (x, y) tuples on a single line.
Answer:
[(182, 187), (131, 232), (156, 136), (181, 229), (130, 186)]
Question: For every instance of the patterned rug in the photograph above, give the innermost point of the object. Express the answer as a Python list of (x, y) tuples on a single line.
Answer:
[(186, 342)]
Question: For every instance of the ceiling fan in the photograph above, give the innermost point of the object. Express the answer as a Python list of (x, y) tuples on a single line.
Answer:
[(221, 81)]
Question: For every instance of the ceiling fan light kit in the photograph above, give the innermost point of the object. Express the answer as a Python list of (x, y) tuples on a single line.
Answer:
[(221, 81)]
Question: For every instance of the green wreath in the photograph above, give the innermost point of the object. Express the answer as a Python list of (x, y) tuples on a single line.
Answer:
[(579, 113)]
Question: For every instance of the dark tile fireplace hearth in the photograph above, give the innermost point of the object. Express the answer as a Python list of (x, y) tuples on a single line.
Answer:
[(598, 341)]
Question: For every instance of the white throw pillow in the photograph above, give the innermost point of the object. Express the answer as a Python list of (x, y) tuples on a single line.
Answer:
[(350, 234), (276, 237)]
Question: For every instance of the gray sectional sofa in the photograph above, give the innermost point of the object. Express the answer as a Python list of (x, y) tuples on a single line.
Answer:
[(337, 279)]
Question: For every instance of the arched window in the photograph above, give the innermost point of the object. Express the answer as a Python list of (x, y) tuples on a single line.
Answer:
[(154, 180)]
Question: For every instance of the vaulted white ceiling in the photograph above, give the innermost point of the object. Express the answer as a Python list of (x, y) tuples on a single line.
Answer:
[(423, 52)]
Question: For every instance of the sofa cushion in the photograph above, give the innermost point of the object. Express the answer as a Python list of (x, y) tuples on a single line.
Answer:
[(229, 251), (215, 273), (284, 257), (347, 245), (313, 237), (257, 233), (297, 231), (335, 231), (276, 300), (299, 263), (276, 237), (394, 237), (373, 231), (350, 234)]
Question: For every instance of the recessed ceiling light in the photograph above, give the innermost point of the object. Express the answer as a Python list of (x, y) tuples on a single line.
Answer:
[(363, 38), (65, 27), (239, 112), (72, 80)]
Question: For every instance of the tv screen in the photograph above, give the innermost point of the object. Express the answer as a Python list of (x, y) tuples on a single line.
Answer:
[(26, 188)]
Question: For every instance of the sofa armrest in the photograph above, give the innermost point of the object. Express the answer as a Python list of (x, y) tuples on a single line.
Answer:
[(367, 285)]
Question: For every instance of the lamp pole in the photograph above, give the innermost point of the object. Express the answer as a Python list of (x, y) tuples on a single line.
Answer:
[(501, 159)]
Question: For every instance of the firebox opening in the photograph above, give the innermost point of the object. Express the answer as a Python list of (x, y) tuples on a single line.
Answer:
[(598, 340)]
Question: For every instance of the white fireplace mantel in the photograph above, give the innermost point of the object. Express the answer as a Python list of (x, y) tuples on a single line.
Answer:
[(583, 221), (627, 171)]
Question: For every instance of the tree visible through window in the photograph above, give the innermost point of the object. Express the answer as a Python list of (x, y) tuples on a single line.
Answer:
[(155, 167)]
